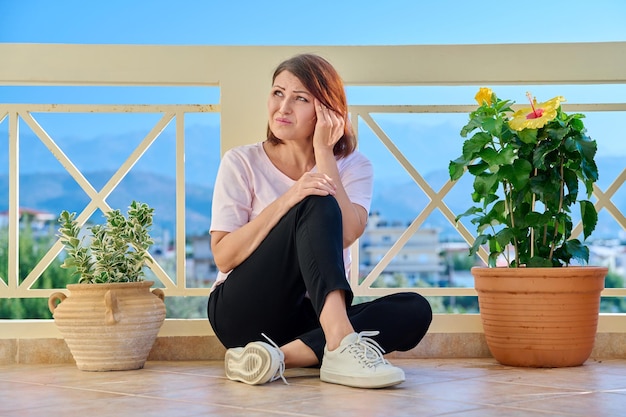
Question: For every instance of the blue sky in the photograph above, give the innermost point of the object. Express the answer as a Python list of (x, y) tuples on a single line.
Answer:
[(317, 22)]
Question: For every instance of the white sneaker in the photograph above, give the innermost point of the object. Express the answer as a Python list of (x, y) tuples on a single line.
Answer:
[(255, 364), (359, 362)]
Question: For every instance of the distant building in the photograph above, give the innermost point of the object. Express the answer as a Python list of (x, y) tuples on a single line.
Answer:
[(40, 221), (611, 254), (419, 259), (203, 266)]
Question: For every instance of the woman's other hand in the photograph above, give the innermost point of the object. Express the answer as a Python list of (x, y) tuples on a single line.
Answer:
[(311, 183)]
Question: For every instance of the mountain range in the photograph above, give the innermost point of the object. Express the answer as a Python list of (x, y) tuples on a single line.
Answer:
[(45, 185)]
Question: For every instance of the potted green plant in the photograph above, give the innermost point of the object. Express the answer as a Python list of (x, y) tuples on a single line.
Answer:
[(527, 167), (111, 319)]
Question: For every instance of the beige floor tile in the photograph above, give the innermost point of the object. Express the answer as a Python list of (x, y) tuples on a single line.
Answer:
[(586, 404), (434, 387)]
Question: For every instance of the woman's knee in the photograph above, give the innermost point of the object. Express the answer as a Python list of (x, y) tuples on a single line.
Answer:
[(417, 307), (414, 309), (324, 205), (324, 213), (324, 202), (419, 315)]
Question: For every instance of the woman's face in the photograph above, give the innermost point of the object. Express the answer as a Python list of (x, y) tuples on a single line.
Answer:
[(290, 108)]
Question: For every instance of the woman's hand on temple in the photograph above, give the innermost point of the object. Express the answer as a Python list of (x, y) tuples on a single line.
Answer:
[(329, 127)]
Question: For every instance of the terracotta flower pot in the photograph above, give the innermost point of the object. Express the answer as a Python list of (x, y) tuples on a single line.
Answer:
[(109, 327), (540, 317)]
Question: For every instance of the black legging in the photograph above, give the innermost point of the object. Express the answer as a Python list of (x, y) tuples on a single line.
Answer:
[(303, 255)]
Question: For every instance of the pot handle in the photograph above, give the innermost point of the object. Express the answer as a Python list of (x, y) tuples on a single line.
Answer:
[(159, 293), (52, 301), (111, 308)]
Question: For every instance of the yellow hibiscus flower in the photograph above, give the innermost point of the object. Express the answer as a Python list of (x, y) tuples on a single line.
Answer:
[(537, 115), (484, 95)]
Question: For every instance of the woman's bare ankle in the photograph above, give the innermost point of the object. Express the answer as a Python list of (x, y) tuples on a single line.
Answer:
[(333, 341), (298, 355), (334, 319)]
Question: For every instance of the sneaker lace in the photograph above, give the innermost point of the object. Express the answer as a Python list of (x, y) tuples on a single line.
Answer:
[(367, 350), (281, 367)]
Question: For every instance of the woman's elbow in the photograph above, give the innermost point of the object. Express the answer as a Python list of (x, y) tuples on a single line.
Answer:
[(348, 240), (221, 262), (222, 265)]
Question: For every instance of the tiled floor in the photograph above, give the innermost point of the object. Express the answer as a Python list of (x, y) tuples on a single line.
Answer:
[(434, 387)]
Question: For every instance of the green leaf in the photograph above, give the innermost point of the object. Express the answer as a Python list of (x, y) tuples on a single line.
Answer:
[(557, 132), (456, 170), (521, 173), (475, 144), (528, 136), (571, 182), (504, 237), (589, 217), (494, 246), (537, 219), (478, 242), (537, 262), (470, 126), (576, 123), (485, 183), (587, 147), (496, 159), (493, 126), (490, 219), (488, 155), (479, 168), (577, 250), (469, 212), (493, 259), (490, 199), (503, 105)]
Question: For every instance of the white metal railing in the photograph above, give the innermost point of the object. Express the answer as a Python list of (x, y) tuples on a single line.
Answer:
[(245, 72), (170, 113)]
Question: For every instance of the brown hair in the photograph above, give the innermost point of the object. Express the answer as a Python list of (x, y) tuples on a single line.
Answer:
[(325, 84)]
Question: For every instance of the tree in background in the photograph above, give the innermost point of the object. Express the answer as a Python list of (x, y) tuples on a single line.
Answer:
[(32, 247)]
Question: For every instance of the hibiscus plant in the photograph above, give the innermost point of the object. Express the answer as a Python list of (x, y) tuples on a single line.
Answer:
[(527, 167)]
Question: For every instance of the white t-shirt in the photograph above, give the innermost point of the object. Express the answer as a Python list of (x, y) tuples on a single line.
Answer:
[(247, 182)]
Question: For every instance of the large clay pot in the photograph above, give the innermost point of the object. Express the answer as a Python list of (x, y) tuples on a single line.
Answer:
[(540, 317), (109, 327)]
